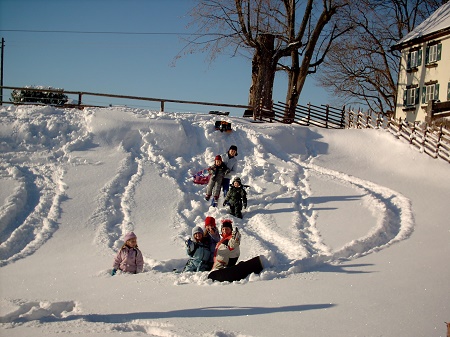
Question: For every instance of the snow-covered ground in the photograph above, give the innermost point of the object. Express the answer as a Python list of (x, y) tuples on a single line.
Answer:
[(353, 225)]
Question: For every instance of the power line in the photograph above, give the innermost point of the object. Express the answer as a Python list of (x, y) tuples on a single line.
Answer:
[(92, 32)]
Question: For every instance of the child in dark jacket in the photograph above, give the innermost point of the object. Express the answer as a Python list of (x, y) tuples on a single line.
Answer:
[(212, 236), (236, 198), (199, 251), (217, 171)]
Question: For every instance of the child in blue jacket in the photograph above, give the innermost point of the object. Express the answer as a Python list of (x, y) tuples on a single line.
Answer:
[(199, 251)]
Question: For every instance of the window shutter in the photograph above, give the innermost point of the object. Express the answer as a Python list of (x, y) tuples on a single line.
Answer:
[(439, 52), (427, 54), (424, 95), (419, 57), (436, 91), (405, 95), (448, 91), (408, 61), (417, 95)]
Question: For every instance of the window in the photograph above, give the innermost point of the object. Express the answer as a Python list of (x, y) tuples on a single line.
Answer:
[(430, 92), (448, 91), (414, 59), (411, 97), (433, 53)]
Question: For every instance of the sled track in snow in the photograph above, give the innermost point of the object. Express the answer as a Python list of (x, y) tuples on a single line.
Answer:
[(30, 215)]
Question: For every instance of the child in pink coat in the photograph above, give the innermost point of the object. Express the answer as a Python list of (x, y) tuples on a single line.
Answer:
[(129, 259)]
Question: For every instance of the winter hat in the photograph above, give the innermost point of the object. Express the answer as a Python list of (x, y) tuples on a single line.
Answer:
[(218, 158), (197, 229), (227, 223), (233, 147), (210, 221), (238, 180), (129, 236)]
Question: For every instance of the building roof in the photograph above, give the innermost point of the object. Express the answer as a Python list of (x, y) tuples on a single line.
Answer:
[(437, 24)]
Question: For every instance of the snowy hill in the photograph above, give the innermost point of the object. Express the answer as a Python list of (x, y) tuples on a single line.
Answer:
[(353, 226)]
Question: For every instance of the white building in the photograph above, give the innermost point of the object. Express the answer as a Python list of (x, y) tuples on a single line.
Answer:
[(424, 72)]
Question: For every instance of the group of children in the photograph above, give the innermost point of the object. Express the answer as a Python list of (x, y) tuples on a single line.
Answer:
[(220, 174), (207, 248)]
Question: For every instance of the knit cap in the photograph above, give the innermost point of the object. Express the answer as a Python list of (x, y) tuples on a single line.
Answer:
[(218, 157), (129, 236), (210, 221), (197, 229), (238, 180), (227, 223)]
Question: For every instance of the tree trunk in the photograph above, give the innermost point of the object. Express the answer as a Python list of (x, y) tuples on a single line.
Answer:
[(263, 76), (292, 92)]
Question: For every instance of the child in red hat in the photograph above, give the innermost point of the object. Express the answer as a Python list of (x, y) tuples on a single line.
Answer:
[(227, 249), (213, 236)]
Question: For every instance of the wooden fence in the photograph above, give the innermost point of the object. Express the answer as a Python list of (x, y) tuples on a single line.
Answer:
[(430, 139), (323, 116), (80, 94)]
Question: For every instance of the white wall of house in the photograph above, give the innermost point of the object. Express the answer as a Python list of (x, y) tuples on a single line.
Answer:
[(424, 74)]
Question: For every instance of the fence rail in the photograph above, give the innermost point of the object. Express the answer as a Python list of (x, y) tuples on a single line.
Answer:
[(81, 94)]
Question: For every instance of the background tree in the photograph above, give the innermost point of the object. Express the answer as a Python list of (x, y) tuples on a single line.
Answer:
[(360, 68), (268, 31), (39, 96)]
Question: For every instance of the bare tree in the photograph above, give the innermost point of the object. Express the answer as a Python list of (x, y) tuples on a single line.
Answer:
[(360, 68), (268, 31)]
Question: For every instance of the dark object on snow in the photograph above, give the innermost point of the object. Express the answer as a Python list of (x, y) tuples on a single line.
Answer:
[(221, 113), (223, 126), (248, 113), (237, 272)]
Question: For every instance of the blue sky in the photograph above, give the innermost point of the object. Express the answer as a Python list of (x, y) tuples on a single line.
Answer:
[(126, 64)]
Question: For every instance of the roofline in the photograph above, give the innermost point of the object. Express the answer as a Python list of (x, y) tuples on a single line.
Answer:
[(424, 38)]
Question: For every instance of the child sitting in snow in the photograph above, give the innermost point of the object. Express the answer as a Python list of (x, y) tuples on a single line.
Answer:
[(217, 171), (212, 236), (236, 198), (227, 250), (129, 259), (198, 248)]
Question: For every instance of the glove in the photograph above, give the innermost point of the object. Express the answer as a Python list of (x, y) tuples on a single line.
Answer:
[(227, 171), (190, 245), (236, 235), (245, 205), (224, 203), (113, 272)]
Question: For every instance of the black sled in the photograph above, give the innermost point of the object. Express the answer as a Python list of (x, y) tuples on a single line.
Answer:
[(237, 272)]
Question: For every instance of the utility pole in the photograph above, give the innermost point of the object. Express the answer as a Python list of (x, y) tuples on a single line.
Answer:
[(1, 75)]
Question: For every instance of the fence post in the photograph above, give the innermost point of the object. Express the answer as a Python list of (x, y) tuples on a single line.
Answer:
[(327, 113), (80, 95), (309, 113), (358, 119), (350, 118), (162, 106), (343, 117), (378, 120)]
